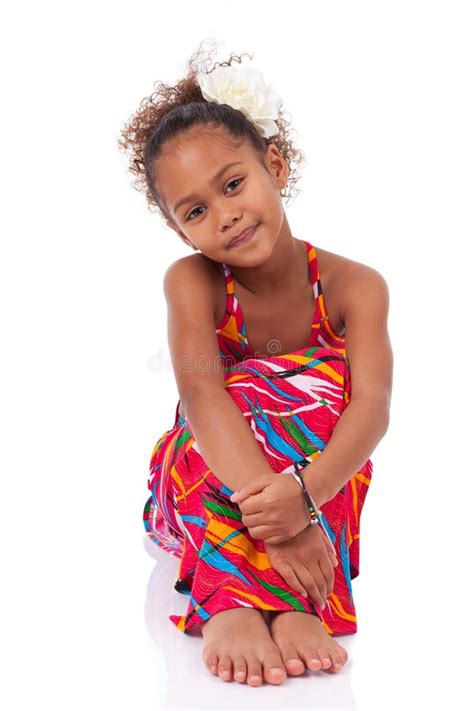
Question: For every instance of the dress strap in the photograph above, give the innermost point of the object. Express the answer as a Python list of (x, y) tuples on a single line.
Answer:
[(230, 290), (321, 311), (313, 269), (316, 282)]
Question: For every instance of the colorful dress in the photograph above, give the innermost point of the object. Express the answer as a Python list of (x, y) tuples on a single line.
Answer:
[(292, 403)]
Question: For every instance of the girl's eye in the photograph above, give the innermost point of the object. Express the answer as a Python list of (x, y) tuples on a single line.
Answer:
[(189, 216), (237, 180)]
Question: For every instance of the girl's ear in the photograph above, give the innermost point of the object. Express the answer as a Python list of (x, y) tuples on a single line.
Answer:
[(277, 166)]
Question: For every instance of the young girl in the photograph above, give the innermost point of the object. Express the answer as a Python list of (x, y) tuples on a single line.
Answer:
[(283, 364)]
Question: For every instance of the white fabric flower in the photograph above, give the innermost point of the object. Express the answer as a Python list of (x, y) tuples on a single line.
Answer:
[(243, 88)]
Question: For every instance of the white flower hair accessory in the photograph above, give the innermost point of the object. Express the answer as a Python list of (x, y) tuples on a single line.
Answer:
[(243, 88)]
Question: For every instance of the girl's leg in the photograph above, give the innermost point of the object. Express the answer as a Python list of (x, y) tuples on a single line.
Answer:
[(222, 567)]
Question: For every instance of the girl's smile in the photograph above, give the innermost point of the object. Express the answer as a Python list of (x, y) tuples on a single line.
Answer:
[(244, 238), (215, 188)]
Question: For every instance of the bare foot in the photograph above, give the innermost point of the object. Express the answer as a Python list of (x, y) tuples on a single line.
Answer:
[(302, 639), (237, 643)]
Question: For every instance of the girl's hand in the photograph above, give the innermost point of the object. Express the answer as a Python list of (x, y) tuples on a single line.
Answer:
[(274, 507), (306, 563)]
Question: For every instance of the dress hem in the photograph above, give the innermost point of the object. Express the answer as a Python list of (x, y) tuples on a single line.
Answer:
[(192, 619)]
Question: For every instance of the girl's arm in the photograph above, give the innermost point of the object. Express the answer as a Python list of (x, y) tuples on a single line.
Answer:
[(223, 436), (365, 419)]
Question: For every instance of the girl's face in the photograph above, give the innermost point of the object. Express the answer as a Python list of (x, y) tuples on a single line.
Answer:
[(211, 202)]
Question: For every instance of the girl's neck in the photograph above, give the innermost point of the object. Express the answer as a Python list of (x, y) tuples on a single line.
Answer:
[(286, 268)]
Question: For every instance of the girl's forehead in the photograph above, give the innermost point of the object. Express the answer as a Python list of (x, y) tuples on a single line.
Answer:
[(187, 151), (201, 158)]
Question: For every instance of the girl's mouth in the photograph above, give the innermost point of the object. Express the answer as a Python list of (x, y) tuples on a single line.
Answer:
[(247, 236)]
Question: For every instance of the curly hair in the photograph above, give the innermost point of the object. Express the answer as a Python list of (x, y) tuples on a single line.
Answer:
[(171, 110)]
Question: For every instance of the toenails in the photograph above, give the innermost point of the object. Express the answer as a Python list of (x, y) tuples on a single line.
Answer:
[(277, 671), (294, 666), (294, 661), (240, 668)]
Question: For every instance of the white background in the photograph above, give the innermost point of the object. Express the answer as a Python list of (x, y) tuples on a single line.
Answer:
[(381, 97)]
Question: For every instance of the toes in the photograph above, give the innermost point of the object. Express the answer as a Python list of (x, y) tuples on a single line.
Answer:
[(325, 659), (211, 662), (312, 659), (225, 667), (342, 654), (291, 658), (336, 662), (254, 677), (240, 669), (294, 666), (273, 668)]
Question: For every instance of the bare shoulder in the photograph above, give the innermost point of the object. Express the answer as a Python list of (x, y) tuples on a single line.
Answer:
[(341, 267), (193, 271), (193, 263), (346, 277), (189, 291)]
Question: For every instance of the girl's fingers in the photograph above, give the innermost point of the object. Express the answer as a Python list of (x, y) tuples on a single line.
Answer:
[(288, 574), (314, 583), (263, 532), (324, 566), (332, 555)]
